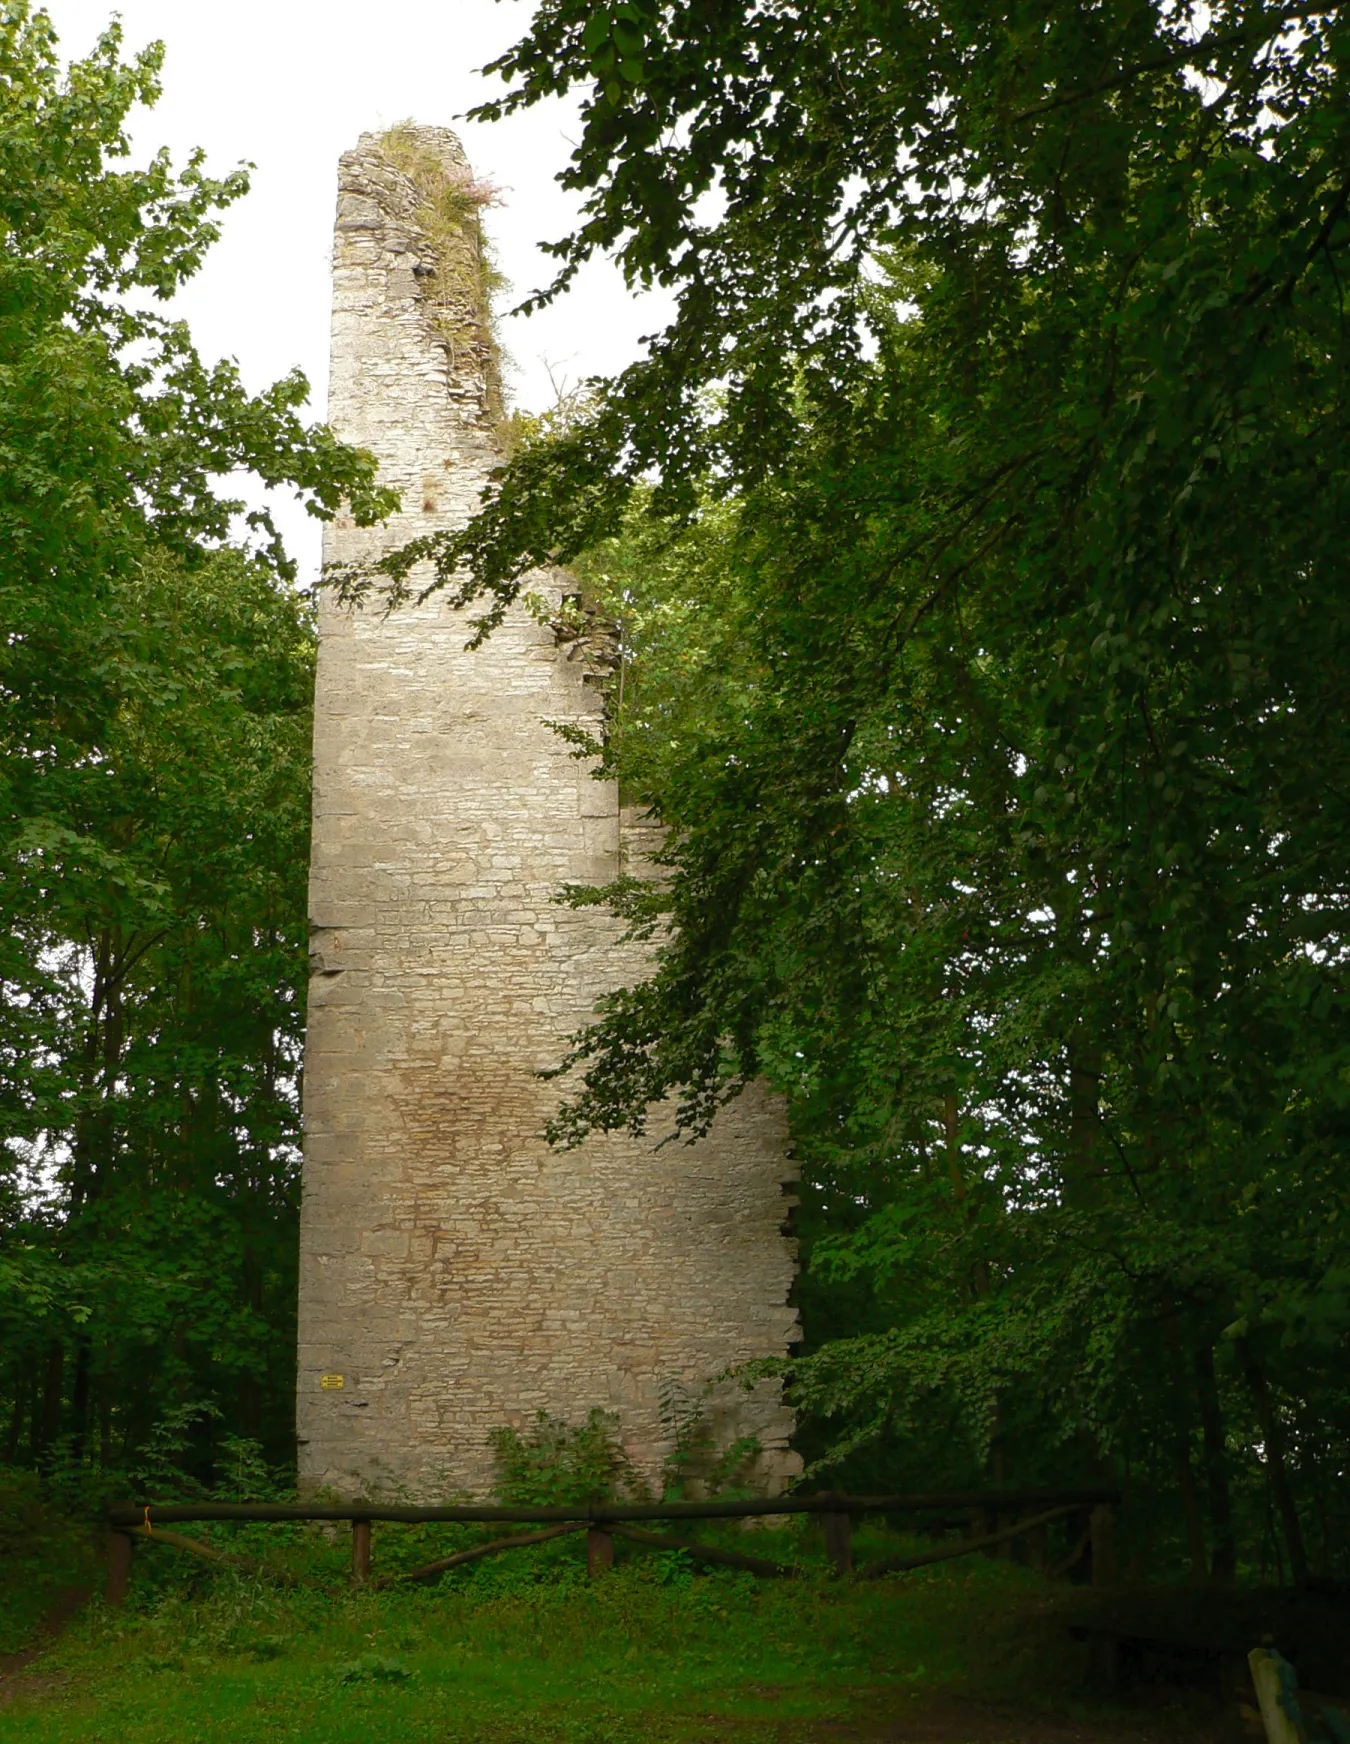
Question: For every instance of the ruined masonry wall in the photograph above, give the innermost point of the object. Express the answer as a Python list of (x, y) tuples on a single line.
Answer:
[(456, 1273)]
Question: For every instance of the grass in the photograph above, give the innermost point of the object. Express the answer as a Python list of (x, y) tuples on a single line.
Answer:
[(525, 1648)]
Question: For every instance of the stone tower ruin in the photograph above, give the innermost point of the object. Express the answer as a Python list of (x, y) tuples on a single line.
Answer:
[(457, 1275)]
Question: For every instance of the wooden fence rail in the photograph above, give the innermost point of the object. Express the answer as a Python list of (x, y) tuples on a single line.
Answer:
[(821, 1502), (602, 1521)]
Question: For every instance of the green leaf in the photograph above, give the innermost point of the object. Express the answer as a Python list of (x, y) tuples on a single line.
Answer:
[(596, 32)]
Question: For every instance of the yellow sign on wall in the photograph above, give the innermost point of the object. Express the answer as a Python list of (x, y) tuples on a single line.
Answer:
[(330, 1383)]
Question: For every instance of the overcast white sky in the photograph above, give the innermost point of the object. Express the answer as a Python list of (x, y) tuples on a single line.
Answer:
[(288, 85)]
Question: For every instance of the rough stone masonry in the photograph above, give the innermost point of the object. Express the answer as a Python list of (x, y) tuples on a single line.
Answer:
[(456, 1275)]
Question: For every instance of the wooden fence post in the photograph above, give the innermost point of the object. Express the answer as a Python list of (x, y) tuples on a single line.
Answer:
[(1104, 1652), (1102, 1525), (839, 1541), (599, 1550), (983, 1524), (119, 1568), (360, 1552), (1007, 1549)]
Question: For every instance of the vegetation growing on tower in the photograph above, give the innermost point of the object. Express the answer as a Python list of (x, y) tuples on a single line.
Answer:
[(462, 291)]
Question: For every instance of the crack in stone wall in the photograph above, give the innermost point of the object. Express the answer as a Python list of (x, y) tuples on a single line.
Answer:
[(456, 1274)]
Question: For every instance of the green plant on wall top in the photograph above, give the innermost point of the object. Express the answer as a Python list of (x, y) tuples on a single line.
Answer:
[(466, 280)]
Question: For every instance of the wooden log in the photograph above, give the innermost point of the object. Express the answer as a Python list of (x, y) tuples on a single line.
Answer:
[(428, 1570), (1273, 1680), (119, 1568), (599, 1551), (966, 1547), (1080, 1549), (209, 1553), (1005, 1543), (839, 1542), (360, 1552), (712, 1554)]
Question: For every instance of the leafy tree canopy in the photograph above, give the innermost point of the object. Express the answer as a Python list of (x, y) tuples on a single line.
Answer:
[(155, 683), (113, 432), (975, 528), (758, 159)]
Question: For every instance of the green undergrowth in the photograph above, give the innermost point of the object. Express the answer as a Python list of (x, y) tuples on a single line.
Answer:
[(525, 1647), (42, 1556)]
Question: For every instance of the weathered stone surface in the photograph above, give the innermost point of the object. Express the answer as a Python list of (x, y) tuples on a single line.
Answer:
[(456, 1273)]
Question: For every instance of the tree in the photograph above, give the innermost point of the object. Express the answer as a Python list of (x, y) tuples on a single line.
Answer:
[(154, 707), (155, 1086), (112, 430), (1010, 843)]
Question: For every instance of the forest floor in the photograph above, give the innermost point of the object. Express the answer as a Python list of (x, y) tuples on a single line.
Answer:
[(527, 1651)]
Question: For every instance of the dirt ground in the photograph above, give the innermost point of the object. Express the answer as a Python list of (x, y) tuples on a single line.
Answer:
[(955, 1720), (15, 1677)]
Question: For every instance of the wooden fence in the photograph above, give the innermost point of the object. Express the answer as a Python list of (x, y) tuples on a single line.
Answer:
[(996, 1517)]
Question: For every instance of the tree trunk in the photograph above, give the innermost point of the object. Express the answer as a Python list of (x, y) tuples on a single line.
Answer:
[(1190, 1510), (1082, 1180), (79, 1397), (250, 1413), (951, 1125), (105, 1390), (50, 1422), (1272, 1431), (1224, 1564), (1190, 1497), (22, 1396)]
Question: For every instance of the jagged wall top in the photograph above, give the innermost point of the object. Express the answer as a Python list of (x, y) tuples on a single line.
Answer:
[(416, 185)]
